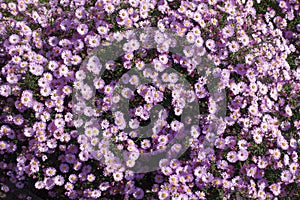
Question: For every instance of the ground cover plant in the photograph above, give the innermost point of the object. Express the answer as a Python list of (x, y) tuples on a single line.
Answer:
[(245, 87)]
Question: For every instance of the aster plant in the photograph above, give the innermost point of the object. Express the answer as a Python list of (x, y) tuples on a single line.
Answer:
[(48, 152)]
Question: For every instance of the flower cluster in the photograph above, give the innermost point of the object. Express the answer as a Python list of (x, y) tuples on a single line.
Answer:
[(47, 152)]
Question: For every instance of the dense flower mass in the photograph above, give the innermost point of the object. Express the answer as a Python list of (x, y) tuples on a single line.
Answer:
[(48, 152)]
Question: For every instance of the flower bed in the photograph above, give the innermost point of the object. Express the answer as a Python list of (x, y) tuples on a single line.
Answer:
[(75, 126)]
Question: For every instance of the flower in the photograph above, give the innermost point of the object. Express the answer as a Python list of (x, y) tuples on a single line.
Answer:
[(163, 195), (232, 156), (59, 180), (228, 31), (39, 185), (50, 51), (50, 171), (234, 46), (242, 154), (138, 194), (275, 188), (210, 44), (82, 29), (257, 138), (118, 176)]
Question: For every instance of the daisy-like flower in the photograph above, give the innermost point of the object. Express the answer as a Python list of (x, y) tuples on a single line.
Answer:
[(234, 46), (275, 188), (27, 98), (59, 180), (163, 195), (99, 83), (69, 186), (243, 144), (140, 65), (91, 177), (3, 145), (158, 66), (257, 138), (163, 59), (52, 65), (249, 59), (80, 75), (173, 78), (263, 89), (36, 69), (232, 156), (282, 143), (123, 13), (294, 168), (145, 144), (163, 139), (200, 171), (228, 31), (220, 143), (93, 41), (276, 154), (134, 80), (80, 12), (199, 42), (158, 178), (76, 60), (14, 39), (286, 176), (109, 8), (262, 163), (282, 4), (46, 91), (39, 185), (242, 155), (63, 71), (245, 40), (190, 37), (96, 194), (118, 176), (288, 111), (5, 90), (50, 171), (173, 179), (176, 125), (104, 186), (251, 171), (182, 197), (134, 44), (210, 44), (82, 29), (73, 178), (253, 109), (138, 193)]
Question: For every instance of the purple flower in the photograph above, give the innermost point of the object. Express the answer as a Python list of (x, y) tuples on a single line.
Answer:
[(69, 186), (286, 176), (232, 156), (138, 193), (59, 180), (64, 168), (163, 195), (50, 171), (39, 185), (275, 188), (228, 31), (210, 44), (118, 176), (27, 98), (82, 29)]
